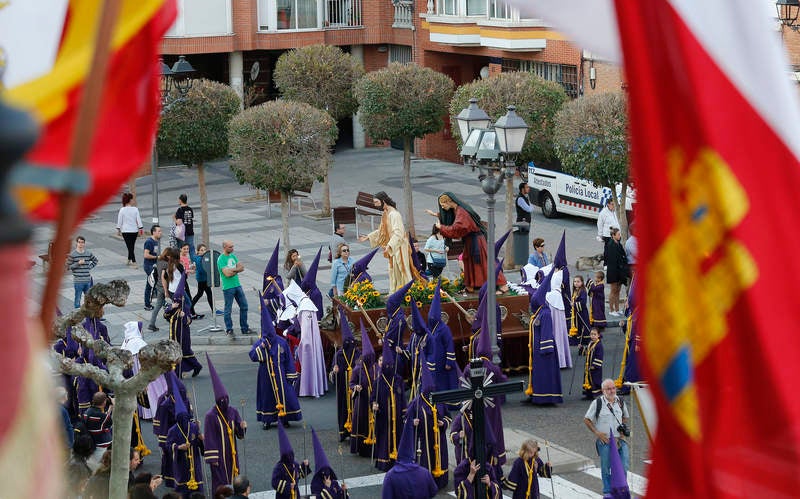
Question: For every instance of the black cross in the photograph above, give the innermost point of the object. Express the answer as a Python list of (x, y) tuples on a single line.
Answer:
[(476, 389)]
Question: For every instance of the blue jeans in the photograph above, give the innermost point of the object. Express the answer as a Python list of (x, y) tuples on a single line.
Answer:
[(605, 461), (190, 241), (80, 288), (148, 289), (236, 293)]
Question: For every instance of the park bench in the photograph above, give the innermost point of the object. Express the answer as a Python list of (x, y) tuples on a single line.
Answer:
[(365, 208)]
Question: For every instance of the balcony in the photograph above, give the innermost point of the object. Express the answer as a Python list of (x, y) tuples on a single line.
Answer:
[(296, 15), (403, 14), (202, 18)]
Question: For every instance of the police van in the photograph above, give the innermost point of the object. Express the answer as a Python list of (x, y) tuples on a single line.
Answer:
[(557, 192)]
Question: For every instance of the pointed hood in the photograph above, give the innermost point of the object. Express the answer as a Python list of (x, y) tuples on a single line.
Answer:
[(435, 312), (483, 343), (347, 333), (405, 449), (497, 269), (499, 243), (133, 341), (619, 479), (180, 407), (426, 380), (367, 352), (320, 459), (286, 451), (417, 322), (360, 266), (271, 273), (479, 314), (267, 326), (219, 389), (387, 352), (180, 296), (414, 255), (539, 297), (395, 299), (560, 258), (309, 281)]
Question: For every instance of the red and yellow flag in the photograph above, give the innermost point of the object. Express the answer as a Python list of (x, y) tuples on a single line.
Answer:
[(129, 107), (715, 129)]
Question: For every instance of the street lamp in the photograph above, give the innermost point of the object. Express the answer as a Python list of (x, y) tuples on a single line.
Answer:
[(178, 77), (491, 149)]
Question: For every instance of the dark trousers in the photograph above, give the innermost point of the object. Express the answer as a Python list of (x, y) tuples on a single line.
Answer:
[(203, 288), (130, 243), (148, 290)]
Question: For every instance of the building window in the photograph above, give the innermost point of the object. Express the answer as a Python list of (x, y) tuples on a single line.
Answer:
[(448, 7), (400, 53), (297, 14), (500, 9), (476, 7), (565, 75)]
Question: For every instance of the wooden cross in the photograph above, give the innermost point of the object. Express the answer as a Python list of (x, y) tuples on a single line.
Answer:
[(476, 390)]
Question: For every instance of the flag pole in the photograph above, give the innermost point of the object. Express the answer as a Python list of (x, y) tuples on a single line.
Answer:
[(80, 152)]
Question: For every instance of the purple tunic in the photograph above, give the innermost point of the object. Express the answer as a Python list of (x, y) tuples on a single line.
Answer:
[(441, 356), (597, 294), (494, 415), (519, 477), (420, 408), (593, 370), (390, 397), (364, 376), (285, 478), (459, 443), (545, 376), (630, 358), (345, 359), (466, 490), (220, 447), (408, 481), (181, 468), (313, 382), (581, 313), (179, 331), (275, 372)]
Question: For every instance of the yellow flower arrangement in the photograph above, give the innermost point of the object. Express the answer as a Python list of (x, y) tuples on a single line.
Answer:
[(364, 295)]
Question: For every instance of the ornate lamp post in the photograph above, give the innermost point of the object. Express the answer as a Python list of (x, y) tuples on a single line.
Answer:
[(179, 78), (787, 12), (492, 150)]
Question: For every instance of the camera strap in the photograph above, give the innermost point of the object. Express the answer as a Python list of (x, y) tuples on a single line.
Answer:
[(598, 406)]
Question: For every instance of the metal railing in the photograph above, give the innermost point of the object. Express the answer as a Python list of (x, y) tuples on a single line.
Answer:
[(342, 13)]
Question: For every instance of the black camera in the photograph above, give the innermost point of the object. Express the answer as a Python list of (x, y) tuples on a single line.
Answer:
[(623, 428)]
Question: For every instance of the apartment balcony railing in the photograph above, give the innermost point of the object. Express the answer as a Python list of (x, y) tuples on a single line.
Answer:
[(342, 13), (280, 15), (403, 14)]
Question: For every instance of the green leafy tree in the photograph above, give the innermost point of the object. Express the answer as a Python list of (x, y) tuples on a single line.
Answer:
[(322, 76), (536, 100), (277, 146), (591, 139), (403, 101), (194, 129)]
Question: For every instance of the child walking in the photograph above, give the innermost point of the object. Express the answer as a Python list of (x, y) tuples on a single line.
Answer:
[(523, 479), (593, 367), (579, 317), (597, 300)]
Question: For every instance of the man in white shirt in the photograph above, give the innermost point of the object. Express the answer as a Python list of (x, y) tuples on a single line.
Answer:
[(611, 415), (606, 220)]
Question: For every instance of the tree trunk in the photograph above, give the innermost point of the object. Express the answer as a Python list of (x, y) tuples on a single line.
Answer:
[(122, 422), (326, 188), (511, 212), (407, 197), (201, 182), (285, 219), (622, 213)]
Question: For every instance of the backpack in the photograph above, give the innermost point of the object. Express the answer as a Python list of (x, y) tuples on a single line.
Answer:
[(598, 407), (84, 444)]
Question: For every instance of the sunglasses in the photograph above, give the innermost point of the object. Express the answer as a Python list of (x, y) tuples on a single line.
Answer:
[(345, 250)]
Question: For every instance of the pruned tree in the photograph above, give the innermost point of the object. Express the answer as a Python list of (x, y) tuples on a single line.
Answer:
[(537, 101), (591, 139), (403, 101), (322, 76), (194, 129), (277, 146), (154, 359)]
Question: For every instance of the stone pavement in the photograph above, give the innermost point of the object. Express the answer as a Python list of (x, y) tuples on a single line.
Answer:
[(235, 215)]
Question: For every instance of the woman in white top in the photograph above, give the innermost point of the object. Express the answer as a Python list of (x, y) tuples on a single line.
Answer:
[(129, 224)]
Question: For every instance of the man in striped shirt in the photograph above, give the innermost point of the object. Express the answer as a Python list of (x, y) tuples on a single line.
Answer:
[(81, 262)]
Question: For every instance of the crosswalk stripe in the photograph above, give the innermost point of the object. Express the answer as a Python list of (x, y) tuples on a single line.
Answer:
[(636, 483), (564, 489)]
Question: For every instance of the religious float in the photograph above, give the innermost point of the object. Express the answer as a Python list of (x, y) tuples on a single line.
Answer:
[(458, 311)]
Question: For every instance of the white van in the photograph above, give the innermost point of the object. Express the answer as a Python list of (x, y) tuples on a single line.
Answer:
[(557, 192)]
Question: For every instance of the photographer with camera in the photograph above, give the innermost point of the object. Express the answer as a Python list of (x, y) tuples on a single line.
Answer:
[(608, 412)]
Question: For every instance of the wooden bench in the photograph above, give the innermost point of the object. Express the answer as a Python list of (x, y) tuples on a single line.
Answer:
[(344, 215), (275, 197), (47, 257), (366, 208), (303, 193)]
